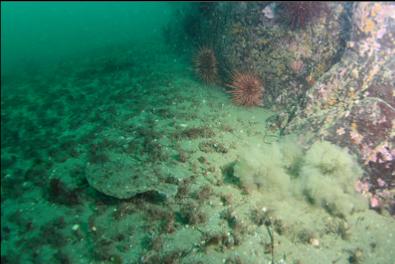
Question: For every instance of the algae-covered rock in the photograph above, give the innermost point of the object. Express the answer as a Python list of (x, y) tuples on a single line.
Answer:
[(122, 164), (333, 78), (122, 177), (353, 104), (256, 37)]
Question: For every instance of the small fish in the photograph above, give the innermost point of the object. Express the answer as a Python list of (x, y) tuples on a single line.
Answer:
[(268, 11)]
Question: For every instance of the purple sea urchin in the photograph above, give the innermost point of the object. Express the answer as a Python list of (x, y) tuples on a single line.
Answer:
[(206, 65), (298, 14)]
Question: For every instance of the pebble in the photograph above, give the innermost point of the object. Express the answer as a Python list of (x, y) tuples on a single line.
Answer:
[(314, 242)]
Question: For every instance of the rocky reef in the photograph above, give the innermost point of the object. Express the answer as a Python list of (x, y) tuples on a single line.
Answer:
[(331, 77), (257, 37), (353, 103)]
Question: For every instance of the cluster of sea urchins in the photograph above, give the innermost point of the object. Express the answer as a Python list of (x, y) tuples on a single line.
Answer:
[(206, 65), (247, 89), (299, 13)]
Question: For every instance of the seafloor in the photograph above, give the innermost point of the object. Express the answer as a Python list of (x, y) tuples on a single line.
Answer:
[(149, 105)]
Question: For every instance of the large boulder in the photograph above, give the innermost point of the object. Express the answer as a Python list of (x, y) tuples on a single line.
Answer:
[(353, 104), (258, 37), (334, 77)]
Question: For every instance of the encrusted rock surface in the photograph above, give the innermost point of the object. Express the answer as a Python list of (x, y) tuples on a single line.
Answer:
[(334, 78), (353, 104), (255, 37)]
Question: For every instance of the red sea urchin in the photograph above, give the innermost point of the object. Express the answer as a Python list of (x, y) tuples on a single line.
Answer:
[(299, 13), (206, 65), (247, 89)]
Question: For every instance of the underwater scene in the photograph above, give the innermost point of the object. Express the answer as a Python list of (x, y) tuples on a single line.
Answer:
[(198, 132)]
